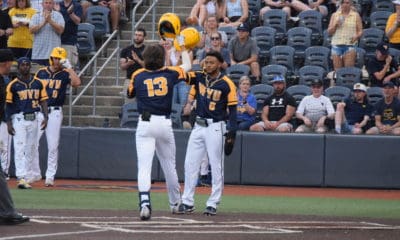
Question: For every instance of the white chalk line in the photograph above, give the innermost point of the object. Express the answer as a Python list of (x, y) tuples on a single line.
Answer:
[(189, 225)]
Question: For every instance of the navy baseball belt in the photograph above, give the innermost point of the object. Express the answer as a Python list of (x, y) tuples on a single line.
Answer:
[(205, 122), (52, 108), (147, 115)]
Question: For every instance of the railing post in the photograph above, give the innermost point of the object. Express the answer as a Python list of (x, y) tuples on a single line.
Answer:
[(94, 86)]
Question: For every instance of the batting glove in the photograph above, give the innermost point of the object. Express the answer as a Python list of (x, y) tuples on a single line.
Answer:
[(65, 63)]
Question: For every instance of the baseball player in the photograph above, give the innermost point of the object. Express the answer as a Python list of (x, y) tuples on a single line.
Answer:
[(56, 79), (5, 141), (215, 94), (25, 97), (153, 88)]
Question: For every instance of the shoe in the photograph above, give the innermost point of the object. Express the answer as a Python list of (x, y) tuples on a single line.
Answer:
[(177, 209), (186, 208), (49, 183), (34, 179), (210, 211), (145, 213), (203, 181), (14, 219), (22, 184)]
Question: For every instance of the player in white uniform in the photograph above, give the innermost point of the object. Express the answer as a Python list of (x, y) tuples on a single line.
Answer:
[(215, 94), (153, 88), (56, 78)]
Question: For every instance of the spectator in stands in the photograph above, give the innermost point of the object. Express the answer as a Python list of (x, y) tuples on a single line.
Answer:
[(314, 109), (278, 109), (392, 27), (47, 27), (346, 28), (382, 67), (216, 45), (235, 13), (211, 27), (10, 4), (21, 41), (6, 28), (205, 8), (131, 58), (72, 14), (318, 5), (353, 114), (181, 89), (285, 5), (243, 50), (113, 5), (387, 113), (247, 105)]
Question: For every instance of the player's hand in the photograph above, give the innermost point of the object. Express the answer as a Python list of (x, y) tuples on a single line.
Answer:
[(66, 63), (181, 40), (10, 129), (43, 125)]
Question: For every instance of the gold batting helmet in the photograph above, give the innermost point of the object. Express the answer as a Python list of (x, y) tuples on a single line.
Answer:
[(191, 38), (58, 52), (169, 25)]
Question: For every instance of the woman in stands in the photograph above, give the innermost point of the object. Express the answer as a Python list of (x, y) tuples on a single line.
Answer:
[(392, 27), (204, 8), (22, 40), (345, 27), (235, 12), (246, 108)]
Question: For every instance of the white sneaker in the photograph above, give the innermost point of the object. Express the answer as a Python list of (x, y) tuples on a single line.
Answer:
[(22, 184), (145, 213), (34, 179), (49, 183)]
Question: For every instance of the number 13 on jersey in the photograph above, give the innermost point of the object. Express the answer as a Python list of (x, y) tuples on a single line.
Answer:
[(156, 86)]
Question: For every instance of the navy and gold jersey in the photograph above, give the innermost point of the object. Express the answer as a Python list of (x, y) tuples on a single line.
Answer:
[(55, 83), (25, 96), (213, 97), (154, 89)]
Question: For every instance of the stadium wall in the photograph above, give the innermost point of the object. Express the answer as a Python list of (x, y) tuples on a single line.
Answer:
[(257, 159)]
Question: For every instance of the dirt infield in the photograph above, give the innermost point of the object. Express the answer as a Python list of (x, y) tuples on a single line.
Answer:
[(105, 225), (115, 224)]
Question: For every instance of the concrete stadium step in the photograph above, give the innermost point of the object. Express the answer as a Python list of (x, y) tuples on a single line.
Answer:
[(102, 90), (92, 121), (105, 80), (86, 110), (100, 101)]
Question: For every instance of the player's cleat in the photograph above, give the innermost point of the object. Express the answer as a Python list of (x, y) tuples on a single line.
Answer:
[(49, 183), (177, 209), (210, 211), (145, 213), (34, 179), (186, 208), (22, 184), (14, 219)]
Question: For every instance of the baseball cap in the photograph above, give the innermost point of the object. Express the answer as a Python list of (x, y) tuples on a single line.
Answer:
[(6, 55), (388, 84), (396, 2), (316, 82), (277, 78), (360, 87), (243, 27), (22, 60), (383, 48)]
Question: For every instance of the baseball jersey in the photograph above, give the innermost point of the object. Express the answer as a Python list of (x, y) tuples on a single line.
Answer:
[(24, 96), (355, 111), (389, 112), (154, 89), (55, 84), (314, 108), (213, 96), (277, 105)]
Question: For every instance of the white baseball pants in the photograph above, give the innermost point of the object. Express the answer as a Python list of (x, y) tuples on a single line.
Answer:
[(5, 147)]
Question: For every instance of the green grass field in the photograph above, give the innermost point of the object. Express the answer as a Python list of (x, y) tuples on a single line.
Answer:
[(68, 199)]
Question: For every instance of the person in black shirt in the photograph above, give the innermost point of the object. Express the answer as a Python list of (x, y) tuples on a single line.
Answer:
[(6, 28), (131, 57), (8, 214)]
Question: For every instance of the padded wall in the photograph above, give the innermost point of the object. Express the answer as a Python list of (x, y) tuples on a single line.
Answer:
[(362, 161), (282, 159), (109, 153)]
